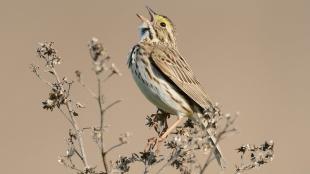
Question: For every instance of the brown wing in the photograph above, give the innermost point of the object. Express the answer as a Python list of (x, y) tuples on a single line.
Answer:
[(170, 62)]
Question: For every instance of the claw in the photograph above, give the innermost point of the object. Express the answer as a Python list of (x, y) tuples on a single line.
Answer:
[(154, 144)]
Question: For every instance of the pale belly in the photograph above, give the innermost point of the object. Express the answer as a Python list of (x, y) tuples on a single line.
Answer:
[(161, 93)]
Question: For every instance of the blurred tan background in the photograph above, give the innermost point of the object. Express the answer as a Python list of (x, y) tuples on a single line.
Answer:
[(253, 56)]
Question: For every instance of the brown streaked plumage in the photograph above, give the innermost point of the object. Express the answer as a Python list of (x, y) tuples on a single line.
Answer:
[(177, 69), (166, 79)]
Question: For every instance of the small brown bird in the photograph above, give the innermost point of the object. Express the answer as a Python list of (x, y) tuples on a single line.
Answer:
[(165, 78)]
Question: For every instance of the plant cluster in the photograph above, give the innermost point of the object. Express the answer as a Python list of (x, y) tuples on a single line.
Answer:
[(181, 149)]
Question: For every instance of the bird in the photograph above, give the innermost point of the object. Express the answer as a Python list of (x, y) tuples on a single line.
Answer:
[(165, 78)]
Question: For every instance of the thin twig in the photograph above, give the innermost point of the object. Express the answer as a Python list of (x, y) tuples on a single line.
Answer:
[(109, 76), (100, 103), (65, 115), (91, 92), (35, 71), (111, 105), (72, 166), (146, 167), (176, 154), (74, 125), (206, 164), (78, 154), (115, 146), (79, 135), (55, 75)]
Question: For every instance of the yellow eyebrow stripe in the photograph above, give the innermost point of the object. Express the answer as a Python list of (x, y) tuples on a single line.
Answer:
[(162, 19)]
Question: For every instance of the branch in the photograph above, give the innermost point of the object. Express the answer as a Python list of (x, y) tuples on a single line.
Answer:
[(74, 125), (174, 157), (206, 164), (115, 146), (100, 103), (79, 135)]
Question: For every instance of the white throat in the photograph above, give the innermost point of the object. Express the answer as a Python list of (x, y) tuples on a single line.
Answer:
[(147, 33)]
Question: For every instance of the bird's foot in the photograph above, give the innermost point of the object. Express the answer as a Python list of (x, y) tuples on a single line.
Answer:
[(160, 122), (153, 144)]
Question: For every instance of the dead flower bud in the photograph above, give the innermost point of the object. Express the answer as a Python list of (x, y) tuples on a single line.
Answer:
[(243, 148), (78, 75), (79, 105), (65, 80), (61, 160), (48, 104), (98, 55), (268, 145), (55, 99), (95, 48), (70, 152), (96, 135), (123, 138), (34, 68), (72, 135), (115, 70), (75, 113), (49, 54)]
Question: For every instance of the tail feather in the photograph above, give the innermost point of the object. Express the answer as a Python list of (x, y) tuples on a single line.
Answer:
[(217, 150)]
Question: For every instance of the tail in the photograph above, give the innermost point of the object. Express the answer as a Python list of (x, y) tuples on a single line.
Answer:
[(217, 150)]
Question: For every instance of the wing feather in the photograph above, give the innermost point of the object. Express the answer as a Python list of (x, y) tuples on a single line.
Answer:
[(170, 62)]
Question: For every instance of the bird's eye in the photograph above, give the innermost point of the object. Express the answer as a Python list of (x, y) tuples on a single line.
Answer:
[(163, 24)]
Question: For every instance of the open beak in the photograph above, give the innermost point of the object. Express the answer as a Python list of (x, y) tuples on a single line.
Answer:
[(142, 18), (151, 12)]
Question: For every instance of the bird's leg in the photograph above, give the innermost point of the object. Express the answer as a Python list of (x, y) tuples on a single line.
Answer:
[(161, 120), (160, 139), (160, 124), (155, 142), (170, 129)]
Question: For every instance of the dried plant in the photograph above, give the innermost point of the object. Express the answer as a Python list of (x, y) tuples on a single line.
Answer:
[(59, 98), (257, 156), (181, 150)]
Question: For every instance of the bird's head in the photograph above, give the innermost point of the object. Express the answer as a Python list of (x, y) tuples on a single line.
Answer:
[(158, 29)]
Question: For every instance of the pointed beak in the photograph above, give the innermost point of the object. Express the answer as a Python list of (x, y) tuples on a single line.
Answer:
[(151, 12), (142, 18)]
